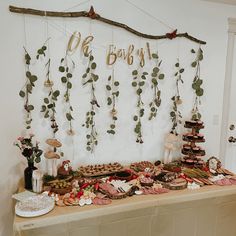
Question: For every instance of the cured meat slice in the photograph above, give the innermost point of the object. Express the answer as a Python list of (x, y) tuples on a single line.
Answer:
[(101, 201), (108, 188)]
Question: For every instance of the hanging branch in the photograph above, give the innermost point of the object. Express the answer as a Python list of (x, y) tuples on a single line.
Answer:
[(138, 83), (156, 75), (112, 88), (91, 14), (27, 90), (67, 69), (91, 78), (49, 107), (175, 114), (197, 83)]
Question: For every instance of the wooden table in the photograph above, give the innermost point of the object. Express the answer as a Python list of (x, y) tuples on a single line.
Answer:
[(204, 212)]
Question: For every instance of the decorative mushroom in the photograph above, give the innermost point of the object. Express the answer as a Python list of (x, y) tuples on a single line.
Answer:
[(52, 156)]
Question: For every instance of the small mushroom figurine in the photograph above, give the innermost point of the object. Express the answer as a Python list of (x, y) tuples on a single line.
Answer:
[(52, 156)]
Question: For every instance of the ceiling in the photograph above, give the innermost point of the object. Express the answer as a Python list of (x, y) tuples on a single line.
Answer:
[(231, 2)]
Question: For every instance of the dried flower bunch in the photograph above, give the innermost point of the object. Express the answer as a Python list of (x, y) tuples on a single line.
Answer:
[(67, 67), (156, 75), (27, 90), (28, 149), (138, 83), (197, 83), (90, 78), (175, 114), (112, 88)]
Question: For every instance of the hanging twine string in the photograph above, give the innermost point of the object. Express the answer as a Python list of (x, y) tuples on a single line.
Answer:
[(150, 15)]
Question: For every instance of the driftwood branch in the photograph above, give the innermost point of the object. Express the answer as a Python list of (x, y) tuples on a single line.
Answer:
[(91, 14)]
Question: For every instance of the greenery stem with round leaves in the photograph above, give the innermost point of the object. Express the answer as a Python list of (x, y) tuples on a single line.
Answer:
[(27, 90), (197, 84), (138, 83), (49, 106), (156, 75), (90, 78), (66, 68), (112, 88), (175, 114)]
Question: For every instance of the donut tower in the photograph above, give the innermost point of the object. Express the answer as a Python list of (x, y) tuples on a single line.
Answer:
[(193, 153)]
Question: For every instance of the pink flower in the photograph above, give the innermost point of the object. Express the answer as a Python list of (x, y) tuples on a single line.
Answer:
[(20, 138)]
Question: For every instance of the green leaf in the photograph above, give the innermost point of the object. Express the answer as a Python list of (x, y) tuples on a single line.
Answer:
[(134, 84), (88, 136), (109, 78), (139, 91), (112, 126), (61, 68), (155, 56), (117, 93), (135, 118), (145, 73), (91, 58), (172, 114), (84, 76), (200, 57), (199, 82), (69, 117), (177, 65), (93, 65), (199, 92), (194, 64), (156, 70), (69, 85), (154, 81), (192, 51), (28, 74), (161, 76), (33, 78), (43, 108), (46, 100), (22, 93), (88, 148), (30, 107), (44, 48), (181, 70), (50, 105), (109, 101), (29, 88), (37, 159), (116, 83), (87, 70), (56, 93), (63, 79), (69, 75), (135, 72), (46, 115), (40, 51), (153, 109), (108, 87), (141, 83)]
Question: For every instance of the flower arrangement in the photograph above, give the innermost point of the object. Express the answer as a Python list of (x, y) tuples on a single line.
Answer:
[(30, 151)]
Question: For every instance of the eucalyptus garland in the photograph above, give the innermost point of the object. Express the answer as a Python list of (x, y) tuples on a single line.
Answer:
[(175, 114), (49, 107), (66, 68), (112, 88), (197, 84), (156, 75), (90, 78), (27, 90), (138, 83)]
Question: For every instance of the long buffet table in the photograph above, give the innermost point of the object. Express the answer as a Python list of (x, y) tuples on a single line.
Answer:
[(209, 211)]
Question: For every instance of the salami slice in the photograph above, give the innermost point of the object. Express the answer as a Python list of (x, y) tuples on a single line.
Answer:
[(101, 201)]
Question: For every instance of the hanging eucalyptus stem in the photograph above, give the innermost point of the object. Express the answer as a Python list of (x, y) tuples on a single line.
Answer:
[(156, 75), (66, 68), (27, 89), (112, 88), (90, 78), (138, 83), (49, 106), (197, 83), (175, 114)]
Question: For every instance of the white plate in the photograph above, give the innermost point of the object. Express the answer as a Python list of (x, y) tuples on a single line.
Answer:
[(34, 206)]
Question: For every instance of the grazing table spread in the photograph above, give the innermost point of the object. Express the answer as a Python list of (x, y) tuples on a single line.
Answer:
[(136, 204)]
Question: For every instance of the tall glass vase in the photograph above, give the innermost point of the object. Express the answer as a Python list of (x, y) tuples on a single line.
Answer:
[(28, 175)]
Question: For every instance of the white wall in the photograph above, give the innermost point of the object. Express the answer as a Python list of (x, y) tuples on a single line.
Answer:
[(207, 21)]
